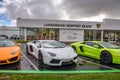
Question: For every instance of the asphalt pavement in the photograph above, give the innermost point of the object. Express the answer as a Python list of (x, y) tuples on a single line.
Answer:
[(28, 62)]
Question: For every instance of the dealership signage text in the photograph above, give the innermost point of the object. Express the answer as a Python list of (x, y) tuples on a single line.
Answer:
[(68, 25)]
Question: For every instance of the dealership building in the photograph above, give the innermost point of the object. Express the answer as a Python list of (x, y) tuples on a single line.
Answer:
[(69, 31), (9, 31), (64, 30)]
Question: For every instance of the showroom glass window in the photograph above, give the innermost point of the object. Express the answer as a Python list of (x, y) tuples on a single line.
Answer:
[(92, 35), (42, 33), (111, 36)]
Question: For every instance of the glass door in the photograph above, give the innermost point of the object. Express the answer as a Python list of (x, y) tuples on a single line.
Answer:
[(112, 37), (92, 35)]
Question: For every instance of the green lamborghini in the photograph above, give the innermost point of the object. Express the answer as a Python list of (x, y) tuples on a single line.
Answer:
[(104, 51)]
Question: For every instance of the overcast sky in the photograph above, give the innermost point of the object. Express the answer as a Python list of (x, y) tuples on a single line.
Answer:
[(86, 10)]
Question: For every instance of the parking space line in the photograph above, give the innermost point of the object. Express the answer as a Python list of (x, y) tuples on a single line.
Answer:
[(33, 65), (100, 65), (36, 68)]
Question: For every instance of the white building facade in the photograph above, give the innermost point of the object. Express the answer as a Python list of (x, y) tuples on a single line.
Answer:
[(9, 31), (70, 31)]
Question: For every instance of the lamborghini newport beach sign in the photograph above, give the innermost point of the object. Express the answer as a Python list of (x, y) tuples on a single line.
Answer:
[(60, 24), (69, 25)]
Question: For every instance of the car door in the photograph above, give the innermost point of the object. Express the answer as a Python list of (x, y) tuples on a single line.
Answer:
[(36, 47), (91, 51)]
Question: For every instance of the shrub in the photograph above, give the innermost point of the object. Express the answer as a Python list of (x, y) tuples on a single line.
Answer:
[(22, 41)]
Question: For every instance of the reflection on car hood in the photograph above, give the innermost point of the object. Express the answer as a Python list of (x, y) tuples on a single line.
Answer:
[(62, 51), (116, 50), (5, 52)]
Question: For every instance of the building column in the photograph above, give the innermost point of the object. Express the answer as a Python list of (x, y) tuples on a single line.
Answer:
[(101, 35), (25, 34)]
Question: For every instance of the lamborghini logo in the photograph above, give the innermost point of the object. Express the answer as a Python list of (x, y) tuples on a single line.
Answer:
[(98, 25)]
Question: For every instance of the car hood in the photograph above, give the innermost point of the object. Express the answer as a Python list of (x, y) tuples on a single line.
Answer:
[(5, 52), (66, 51)]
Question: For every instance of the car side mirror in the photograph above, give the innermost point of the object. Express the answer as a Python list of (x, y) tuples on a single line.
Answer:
[(96, 46)]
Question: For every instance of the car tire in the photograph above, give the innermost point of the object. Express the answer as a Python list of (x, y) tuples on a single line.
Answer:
[(27, 50), (106, 57), (74, 48), (40, 58)]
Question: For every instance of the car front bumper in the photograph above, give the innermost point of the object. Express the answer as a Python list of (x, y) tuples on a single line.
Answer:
[(60, 62), (10, 60)]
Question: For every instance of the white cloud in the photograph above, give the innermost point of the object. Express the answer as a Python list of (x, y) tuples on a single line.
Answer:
[(62, 9), (2, 10), (13, 23), (78, 9), (41, 9), (57, 2), (94, 18)]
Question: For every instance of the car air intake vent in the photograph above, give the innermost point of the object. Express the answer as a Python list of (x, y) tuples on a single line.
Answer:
[(13, 59)]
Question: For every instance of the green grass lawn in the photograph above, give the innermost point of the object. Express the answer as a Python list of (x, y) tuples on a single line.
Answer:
[(84, 76)]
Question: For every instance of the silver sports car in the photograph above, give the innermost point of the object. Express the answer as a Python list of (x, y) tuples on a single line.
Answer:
[(51, 52)]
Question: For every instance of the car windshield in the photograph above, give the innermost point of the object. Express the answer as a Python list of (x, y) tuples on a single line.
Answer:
[(6, 43), (53, 44), (109, 45)]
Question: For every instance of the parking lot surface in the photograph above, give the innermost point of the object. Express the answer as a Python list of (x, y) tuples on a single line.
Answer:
[(28, 62)]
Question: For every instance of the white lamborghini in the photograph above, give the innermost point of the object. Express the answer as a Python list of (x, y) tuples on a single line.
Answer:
[(51, 52)]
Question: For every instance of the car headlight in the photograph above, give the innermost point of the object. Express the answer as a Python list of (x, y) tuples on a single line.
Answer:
[(74, 51), (14, 52), (52, 54)]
